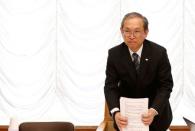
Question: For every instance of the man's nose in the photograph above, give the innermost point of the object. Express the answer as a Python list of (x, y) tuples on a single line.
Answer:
[(131, 35)]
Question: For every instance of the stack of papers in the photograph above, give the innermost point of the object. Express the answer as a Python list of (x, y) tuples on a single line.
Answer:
[(133, 109)]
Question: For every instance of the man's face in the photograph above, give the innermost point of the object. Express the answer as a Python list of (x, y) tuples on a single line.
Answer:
[(133, 33)]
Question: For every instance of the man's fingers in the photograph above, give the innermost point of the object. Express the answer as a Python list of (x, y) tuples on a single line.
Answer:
[(147, 118), (121, 121)]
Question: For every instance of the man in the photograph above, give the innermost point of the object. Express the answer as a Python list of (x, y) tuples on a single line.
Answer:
[(147, 75)]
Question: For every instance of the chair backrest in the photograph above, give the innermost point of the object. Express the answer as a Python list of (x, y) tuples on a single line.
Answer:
[(46, 126), (108, 119), (107, 116)]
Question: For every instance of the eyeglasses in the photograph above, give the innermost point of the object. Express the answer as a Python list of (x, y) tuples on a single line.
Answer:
[(134, 33)]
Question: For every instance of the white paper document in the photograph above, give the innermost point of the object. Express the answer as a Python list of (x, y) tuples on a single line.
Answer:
[(133, 108)]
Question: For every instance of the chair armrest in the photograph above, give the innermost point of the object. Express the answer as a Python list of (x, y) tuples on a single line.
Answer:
[(102, 126)]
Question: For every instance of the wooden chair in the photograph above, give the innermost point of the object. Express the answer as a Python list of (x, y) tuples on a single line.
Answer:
[(107, 123), (46, 126)]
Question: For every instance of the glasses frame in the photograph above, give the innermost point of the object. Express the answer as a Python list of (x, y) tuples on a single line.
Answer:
[(134, 33)]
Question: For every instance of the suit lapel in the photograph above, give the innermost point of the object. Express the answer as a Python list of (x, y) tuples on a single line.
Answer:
[(145, 59)]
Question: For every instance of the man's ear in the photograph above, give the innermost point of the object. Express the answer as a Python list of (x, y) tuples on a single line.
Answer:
[(146, 33), (121, 31)]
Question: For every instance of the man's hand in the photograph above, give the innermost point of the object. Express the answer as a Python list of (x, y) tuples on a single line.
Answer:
[(120, 120), (148, 117)]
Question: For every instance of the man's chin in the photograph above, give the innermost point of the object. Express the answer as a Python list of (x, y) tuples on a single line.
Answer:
[(131, 45)]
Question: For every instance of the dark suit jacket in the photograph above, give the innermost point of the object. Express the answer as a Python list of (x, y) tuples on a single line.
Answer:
[(154, 80)]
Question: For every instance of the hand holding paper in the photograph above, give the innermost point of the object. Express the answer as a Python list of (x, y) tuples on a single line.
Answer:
[(148, 116), (121, 121)]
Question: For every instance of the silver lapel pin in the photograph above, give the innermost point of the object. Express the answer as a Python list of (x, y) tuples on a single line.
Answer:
[(146, 59)]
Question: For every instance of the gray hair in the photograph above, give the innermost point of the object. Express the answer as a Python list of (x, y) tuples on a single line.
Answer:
[(133, 15)]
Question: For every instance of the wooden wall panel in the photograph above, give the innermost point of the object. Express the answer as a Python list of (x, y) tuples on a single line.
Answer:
[(179, 128), (93, 128), (3, 128)]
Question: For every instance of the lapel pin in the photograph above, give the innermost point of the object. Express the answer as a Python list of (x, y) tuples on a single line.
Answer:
[(146, 59)]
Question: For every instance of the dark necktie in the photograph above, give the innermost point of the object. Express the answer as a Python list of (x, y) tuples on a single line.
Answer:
[(136, 61)]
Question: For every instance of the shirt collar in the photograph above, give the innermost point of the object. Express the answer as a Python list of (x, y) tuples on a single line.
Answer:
[(139, 52)]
